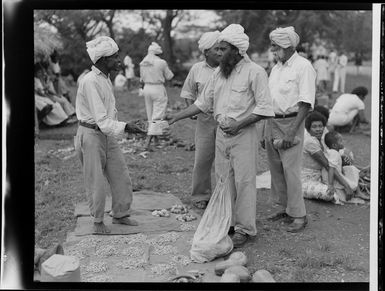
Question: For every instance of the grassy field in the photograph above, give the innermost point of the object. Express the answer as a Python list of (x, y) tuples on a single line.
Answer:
[(334, 247)]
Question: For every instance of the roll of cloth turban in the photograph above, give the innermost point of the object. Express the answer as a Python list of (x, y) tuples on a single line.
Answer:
[(153, 50), (207, 40), (102, 46), (235, 35), (285, 37)]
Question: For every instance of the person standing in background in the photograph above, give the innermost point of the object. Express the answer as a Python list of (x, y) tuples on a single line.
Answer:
[(321, 68), (340, 73), (206, 127), (128, 70), (154, 72)]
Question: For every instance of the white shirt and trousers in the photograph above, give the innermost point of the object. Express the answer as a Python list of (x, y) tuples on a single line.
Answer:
[(205, 133), (97, 148), (155, 95), (289, 83), (340, 74), (244, 92)]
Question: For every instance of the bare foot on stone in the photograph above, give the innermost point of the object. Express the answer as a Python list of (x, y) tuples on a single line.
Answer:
[(125, 221), (101, 228)]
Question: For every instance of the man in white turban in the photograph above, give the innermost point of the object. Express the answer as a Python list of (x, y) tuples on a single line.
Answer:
[(238, 94), (154, 72), (95, 141), (206, 126), (292, 88)]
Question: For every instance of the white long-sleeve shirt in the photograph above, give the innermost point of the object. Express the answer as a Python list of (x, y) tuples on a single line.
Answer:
[(95, 103)]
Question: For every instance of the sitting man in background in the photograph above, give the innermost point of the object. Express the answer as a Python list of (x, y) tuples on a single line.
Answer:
[(349, 110)]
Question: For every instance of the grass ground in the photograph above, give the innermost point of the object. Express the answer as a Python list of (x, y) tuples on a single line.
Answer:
[(334, 247)]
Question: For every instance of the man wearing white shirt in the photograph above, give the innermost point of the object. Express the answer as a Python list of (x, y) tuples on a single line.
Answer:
[(206, 127), (95, 141), (292, 88), (239, 95), (340, 73), (348, 108)]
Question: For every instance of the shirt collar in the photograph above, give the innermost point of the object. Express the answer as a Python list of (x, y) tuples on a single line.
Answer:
[(98, 72), (238, 66), (207, 65), (290, 61)]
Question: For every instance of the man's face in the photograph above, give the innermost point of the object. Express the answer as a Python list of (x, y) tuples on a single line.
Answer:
[(113, 63), (225, 51), (213, 55), (278, 52)]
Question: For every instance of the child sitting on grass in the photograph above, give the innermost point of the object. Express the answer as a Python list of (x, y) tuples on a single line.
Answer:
[(349, 173)]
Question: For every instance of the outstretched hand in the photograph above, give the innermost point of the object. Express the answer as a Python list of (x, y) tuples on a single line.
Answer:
[(170, 118), (132, 127)]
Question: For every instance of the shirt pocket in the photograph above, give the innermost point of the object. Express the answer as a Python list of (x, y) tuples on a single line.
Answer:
[(288, 82), (238, 96)]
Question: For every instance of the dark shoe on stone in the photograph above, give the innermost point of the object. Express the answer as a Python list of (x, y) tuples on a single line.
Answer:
[(297, 225), (239, 239), (287, 220), (277, 216)]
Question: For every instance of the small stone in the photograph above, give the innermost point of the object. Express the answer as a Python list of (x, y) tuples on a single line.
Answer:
[(262, 276)]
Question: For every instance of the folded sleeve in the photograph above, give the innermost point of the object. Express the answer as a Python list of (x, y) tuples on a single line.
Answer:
[(190, 88), (311, 145), (167, 72), (307, 84), (205, 100), (260, 88), (108, 125)]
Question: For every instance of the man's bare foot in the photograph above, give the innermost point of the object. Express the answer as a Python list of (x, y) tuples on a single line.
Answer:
[(125, 220), (100, 228)]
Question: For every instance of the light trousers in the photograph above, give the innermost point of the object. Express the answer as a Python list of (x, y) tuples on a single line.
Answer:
[(285, 168), (101, 157), (205, 134), (337, 118), (237, 154), (339, 79), (155, 98)]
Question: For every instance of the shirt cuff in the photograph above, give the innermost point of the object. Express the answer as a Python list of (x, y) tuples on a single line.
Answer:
[(203, 107), (187, 95), (306, 100)]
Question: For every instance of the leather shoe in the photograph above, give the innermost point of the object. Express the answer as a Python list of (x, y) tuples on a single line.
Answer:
[(277, 216), (239, 239), (297, 225)]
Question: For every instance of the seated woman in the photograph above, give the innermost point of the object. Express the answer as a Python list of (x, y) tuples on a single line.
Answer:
[(314, 160), (56, 116), (44, 87)]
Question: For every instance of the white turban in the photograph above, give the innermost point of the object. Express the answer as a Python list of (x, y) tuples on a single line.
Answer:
[(102, 46), (235, 35), (155, 48), (207, 40), (285, 37)]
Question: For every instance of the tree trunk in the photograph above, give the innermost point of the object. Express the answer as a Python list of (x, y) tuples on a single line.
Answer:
[(168, 42)]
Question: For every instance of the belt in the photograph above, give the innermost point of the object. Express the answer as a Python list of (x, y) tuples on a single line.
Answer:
[(286, 115), (89, 125), (148, 83)]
